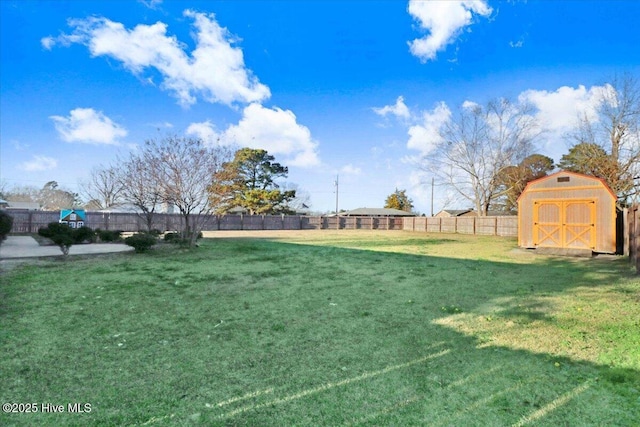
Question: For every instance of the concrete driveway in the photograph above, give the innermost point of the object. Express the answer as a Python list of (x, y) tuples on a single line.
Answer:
[(28, 247)]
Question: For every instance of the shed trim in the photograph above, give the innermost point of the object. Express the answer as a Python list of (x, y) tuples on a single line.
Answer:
[(530, 183), (579, 187)]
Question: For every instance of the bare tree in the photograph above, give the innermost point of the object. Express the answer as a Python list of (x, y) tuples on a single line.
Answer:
[(476, 144), (104, 188), (4, 188), (139, 188), (181, 170), (617, 131), (53, 198), (26, 193)]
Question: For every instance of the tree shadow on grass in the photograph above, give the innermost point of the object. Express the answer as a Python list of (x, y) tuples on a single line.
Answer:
[(474, 379), (271, 333)]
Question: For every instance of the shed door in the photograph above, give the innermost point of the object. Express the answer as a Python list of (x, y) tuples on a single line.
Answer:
[(565, 224)]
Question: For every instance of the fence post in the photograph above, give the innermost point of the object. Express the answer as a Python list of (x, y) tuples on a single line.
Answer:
[(30, 221), (625, 232), (636, 236), (637, 221), (631, 231)]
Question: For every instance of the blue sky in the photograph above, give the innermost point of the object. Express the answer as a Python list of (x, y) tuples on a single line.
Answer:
[(355, 88)]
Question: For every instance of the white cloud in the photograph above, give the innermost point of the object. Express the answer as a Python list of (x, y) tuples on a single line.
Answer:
[(214, 70), (206, 131), (470, 105), (399, 109), (560, 111), (47, 42), (425, 136), (350, 170), (39, 163), (151, 4), (86, 125), (276, 131), (444, 20)]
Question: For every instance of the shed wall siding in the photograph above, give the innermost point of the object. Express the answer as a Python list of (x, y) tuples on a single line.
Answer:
[(577, 188)]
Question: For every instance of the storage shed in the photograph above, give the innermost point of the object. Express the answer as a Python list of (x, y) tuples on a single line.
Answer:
[(567, 210)]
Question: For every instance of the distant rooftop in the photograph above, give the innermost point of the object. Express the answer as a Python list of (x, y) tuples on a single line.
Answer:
[(377, 212)]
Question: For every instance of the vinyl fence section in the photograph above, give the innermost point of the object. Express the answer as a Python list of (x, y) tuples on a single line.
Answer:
[(484, 225)]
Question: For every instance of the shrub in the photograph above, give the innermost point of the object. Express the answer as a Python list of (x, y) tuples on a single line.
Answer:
[(61, 234), (171, 237), (83, 234), (141, 242), (178, 239), (108, 235), (6, 222)]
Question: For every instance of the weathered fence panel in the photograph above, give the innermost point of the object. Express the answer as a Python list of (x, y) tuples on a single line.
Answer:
[(31, 221), (506, 226), (633, 227)]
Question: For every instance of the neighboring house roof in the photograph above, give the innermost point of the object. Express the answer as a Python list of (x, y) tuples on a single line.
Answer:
[(237, 210), (31, 206), (468, 212), (454, 212), (377, 212)]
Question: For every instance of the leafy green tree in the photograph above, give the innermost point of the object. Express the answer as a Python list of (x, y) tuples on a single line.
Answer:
[(513, 179), (591, 159), (399, 200), (249, 181)]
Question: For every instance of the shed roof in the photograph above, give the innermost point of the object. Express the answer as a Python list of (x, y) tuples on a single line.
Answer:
[(377, 212), (538, 181)]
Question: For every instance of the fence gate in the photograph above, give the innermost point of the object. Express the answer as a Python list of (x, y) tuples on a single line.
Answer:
[(565, 224)]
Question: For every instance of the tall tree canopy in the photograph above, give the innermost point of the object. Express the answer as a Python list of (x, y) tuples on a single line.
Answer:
[(249, 181), (609, 146), (513, 179), (476, 144), (399, 200)]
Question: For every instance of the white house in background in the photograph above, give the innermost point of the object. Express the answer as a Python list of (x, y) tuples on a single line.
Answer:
[(25, 206)]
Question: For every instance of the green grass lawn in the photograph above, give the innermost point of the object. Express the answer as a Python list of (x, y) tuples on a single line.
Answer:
[(324, 328)]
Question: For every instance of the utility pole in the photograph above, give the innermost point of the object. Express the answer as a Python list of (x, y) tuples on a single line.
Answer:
[(336, 184), (432, 179)]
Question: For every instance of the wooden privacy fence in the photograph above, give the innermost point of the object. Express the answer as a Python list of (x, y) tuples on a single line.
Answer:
[(633, 224), (31, 221), (482, 225)]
